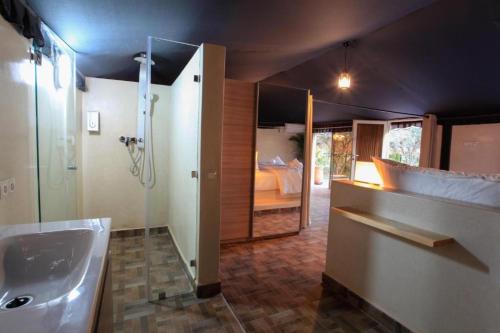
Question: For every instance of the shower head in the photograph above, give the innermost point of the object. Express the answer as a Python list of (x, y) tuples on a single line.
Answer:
[(141, 58)]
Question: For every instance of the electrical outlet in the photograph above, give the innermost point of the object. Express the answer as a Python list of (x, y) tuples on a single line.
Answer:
[(5, 188)]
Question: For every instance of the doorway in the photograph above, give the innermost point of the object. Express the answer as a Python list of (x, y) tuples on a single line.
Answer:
[(398, 140), (332, 159)]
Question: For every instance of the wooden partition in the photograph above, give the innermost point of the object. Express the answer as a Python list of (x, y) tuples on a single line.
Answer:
[(238, 160)]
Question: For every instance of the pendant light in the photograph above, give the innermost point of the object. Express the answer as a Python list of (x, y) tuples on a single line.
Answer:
[(345, 77)]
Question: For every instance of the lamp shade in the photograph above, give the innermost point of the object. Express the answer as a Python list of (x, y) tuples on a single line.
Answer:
[(344, 80)]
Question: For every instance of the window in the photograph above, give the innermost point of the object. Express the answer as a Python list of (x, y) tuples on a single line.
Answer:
[(403, 142)]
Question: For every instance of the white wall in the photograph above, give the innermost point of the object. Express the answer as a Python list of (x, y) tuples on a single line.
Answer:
[(17, 135), (109, 189), (474, 148), (275, 141), (182, 151), (448, 289)]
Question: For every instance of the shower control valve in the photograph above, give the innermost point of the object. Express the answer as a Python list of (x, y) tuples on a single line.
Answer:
[(127, 140)]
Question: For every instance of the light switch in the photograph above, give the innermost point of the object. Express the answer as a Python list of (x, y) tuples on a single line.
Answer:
[(93, 121)]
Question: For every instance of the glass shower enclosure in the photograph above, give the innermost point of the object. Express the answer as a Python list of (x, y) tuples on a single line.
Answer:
[(56, 130), (172, 127)]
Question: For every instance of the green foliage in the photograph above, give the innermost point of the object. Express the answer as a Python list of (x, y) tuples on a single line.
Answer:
[(404, 145), (323, 150), (342, 153), (335, 150)]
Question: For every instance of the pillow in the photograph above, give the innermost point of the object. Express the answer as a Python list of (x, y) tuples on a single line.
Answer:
[(472, 188), (278, 161)]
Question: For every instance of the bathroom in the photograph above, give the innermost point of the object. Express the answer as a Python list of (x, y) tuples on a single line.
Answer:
[(143, 182)]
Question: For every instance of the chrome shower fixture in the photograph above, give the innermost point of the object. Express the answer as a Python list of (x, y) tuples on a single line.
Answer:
[(127, 140)]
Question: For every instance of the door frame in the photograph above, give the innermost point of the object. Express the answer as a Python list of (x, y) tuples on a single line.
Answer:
[(355, 124)]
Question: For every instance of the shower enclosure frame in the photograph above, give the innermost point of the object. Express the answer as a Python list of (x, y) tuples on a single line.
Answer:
[(195, 173), (43, 110)]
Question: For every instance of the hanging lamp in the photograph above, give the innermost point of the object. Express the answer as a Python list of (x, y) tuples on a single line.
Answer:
[(345, 77)]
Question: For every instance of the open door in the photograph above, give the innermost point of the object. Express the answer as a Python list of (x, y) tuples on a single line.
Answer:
[(368, 141)]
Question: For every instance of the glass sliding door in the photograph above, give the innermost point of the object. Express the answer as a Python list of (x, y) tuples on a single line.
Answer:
[(341, 160), (171, 143), (56, 130), (322, 158)]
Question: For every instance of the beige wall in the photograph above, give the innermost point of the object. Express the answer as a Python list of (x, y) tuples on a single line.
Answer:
[(436, 150), (17, 135), (449, 289), (109, 189), (272, 142), (475, 148), (214, 60), (182, 129)]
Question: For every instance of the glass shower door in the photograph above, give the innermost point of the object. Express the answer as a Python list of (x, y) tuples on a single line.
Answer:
[(172, 150), (56, 130)]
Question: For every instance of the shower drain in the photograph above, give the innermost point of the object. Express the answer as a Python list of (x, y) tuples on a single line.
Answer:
[(17, 302)]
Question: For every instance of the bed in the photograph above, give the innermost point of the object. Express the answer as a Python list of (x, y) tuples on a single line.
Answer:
[(468, 188), (277, 187), (283, 178)]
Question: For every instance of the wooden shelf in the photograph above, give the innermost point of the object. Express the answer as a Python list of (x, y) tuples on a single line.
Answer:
[(420, 236)]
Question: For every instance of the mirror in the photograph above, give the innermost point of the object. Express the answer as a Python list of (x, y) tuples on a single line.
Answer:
[(279, 160)]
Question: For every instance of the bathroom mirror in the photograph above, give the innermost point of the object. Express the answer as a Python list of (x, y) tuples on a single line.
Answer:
[(279, 160)]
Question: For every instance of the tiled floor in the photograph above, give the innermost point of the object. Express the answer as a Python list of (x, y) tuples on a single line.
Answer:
[(275, 285), (276, 223), (320, 205), (182, 313), (272, 286), (167, 272)]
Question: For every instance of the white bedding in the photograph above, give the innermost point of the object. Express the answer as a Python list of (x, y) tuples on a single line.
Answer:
[(287, 180), (478, 189)]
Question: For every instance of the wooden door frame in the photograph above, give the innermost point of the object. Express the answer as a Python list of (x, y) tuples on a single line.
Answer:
[(305, 220), (306, 180), (355, 124)]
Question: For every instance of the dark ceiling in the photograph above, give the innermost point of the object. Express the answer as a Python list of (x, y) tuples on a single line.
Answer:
[(443, 59), (412, 56), (279, 105), (262, 37)]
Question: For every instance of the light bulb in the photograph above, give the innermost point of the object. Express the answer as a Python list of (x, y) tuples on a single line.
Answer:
[(344, 80)]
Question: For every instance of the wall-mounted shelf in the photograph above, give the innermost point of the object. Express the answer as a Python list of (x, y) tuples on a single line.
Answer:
[(420, 236)]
